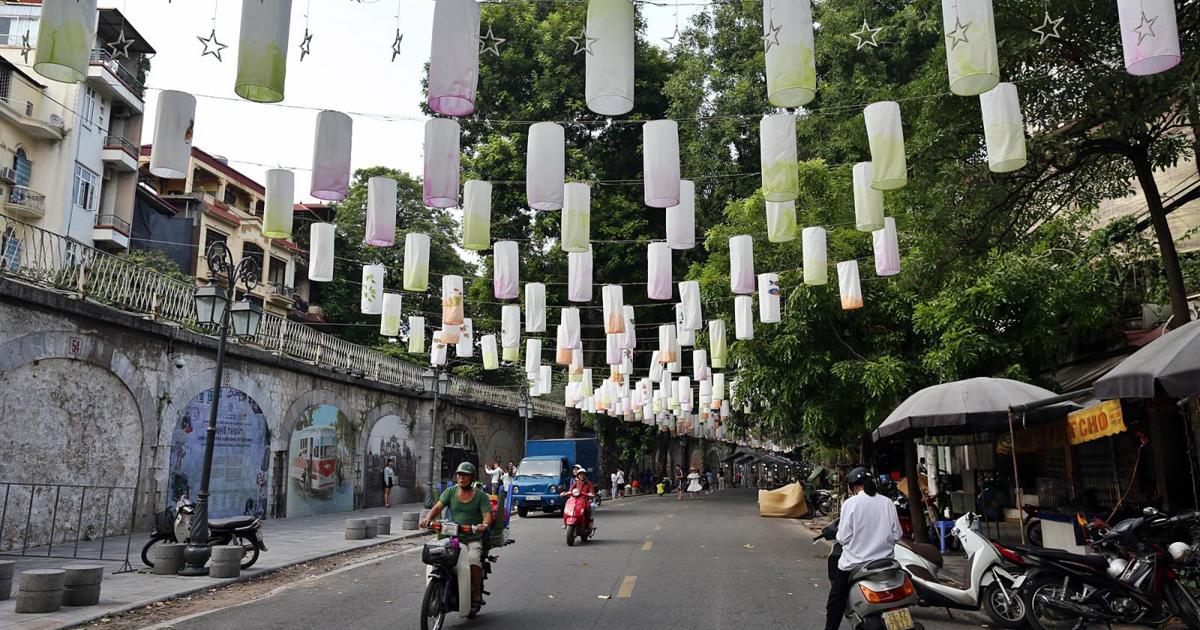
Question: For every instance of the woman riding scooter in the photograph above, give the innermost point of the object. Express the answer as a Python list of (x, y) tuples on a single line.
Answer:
[(586, 489)]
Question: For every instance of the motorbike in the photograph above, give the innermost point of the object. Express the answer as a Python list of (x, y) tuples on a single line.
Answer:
[(822, 502), (881, 592), (987, 582), (577, 517), (246, 530), (448, 576)]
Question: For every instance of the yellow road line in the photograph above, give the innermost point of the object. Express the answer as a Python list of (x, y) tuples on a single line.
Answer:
[(627, 587), (647, 545)]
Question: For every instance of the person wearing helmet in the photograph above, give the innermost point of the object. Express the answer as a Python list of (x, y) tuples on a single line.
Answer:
[(585, 488), (469, 505), (866, 531)]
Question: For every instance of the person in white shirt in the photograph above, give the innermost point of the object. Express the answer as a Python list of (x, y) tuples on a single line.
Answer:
[(867, 530), (619, 484), (493, 471)]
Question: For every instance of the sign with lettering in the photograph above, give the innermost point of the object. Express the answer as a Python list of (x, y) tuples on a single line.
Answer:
[(1095, 422)]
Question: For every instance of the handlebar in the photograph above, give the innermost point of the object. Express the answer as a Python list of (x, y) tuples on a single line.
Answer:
[(462, 529)]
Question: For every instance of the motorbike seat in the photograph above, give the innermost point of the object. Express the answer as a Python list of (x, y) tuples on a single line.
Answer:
[(235, 522), (927, 551), (873, 568), (1099, 562)]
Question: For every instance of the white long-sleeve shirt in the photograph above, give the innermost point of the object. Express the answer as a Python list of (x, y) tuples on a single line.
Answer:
[(495, 473), (868, 530)]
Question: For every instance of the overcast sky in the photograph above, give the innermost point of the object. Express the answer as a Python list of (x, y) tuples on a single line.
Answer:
[(350, 69)]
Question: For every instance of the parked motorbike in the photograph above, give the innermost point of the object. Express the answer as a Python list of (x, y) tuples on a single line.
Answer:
[(822, 502), (577, 517), (881, 593), (448, 576), (246, 530)]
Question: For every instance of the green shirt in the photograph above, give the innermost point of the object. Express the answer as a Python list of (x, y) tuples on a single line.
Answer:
[(469, 513)]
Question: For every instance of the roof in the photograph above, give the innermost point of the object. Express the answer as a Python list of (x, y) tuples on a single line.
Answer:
[(221, 213), (151, 197), (217, 165), (112, 23), (286, 244), (28, 77)]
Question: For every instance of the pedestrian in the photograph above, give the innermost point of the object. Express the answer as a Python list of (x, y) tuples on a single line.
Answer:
[(389, 480), (721, 481), (679, 482), (712, 481), (506, 478), (612, 482), (620, 482), (493, 472), (693, 483)]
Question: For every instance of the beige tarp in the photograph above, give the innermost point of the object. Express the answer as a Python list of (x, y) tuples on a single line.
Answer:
[(786, 502)]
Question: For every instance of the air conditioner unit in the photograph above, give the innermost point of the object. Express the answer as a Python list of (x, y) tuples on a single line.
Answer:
[(107, 174), (7, 174), (56, 120)]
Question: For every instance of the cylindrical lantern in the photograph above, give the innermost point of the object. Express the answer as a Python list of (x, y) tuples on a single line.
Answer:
[(816, 267), (564, 353), (535, 307), (614, 309), (681, 218), (969, 30), (454, 57), (885, 134), (320, 255), (781, 221), (279, 206), (545, 165), (1149, 35), (655, 366), (887, 249), (262, 50), (792, 62), (685, 393), (612, 349), (575, 369), (440, 186), (768, 298), (331, 156), (868, 202), (449, 334), (477, 215), (381, 212), (689, 298), (487, 347), (466, 340), (66, 35), (533, 357), (438, 350), (172, 151), (568, 318), (416, 262), (660, 163), (630, 339), (700, 365), (579, 276), (718, 386), (372, 289), (848, 285), (777, 154), (608, 37), (1003, 128), (683, 336), (718, 349), (666, 344), (743, 317), (416, 334), (741, 264), (510, 329), (545, 379), (389, 324), (576, 217), (585, 383), (452, 300), (506, 275)]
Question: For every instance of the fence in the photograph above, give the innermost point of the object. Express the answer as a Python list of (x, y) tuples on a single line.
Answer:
[(46, 520)]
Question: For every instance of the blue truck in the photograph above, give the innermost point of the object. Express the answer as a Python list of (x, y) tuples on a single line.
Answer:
[(546, 472)]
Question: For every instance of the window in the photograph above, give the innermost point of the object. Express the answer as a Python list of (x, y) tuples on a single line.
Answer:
[(86, 189), (229, 197), (278, 273), (13, 27), (10, 250), (255, 253), (87, 112), (6, 75), (23, 167)]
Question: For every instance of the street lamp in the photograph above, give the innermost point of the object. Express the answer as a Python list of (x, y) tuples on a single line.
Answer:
[(439, 384), (217, 306), (525, 410)]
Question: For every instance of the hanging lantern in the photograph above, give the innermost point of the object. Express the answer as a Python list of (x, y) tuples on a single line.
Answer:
[(684, 336), (533, 357), (681, 218), (535, 307), (743, 314), (477, 215), (689, 298), (381, 212), (454, 57), (440, 185), (563, 352), (510, 331), (612, 349), (505, 276), (452, 300), (262, 51), (331, 156), (658, 271), (66, 34), (768, 298), (700, 365), (416, 262), (718, 350), (575, 369), (487, 347), (614, 309), (724, 408), (660, 163), (576, 217), (545, 166), (816, 269), (791, 61), (1003, 128), (887, 249), (279, 205), (848, 285), (466, 340), (885, 134), (449, 334), (608, 37), (545, 379), (718, 386), (1149, 36), (705, 402), (868, 202), (675, 366), (741, 264), (970, 35), (372, 289), (437, 351), (172, 150), (579, 276), (666, 344), (655, 366), (780, 167), (781, 221), (585, 383), (685, 393), (320, 256), (389, 325), (630, 338), (416, 334), (569, 318)]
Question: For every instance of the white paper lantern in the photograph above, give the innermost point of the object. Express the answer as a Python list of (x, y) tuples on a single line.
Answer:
[(440, 185), (614, 309), (568, 318), (685, 393), (718, 348), (533, 357), (689, 298), (743, 317), (579, 276), (718, 386), (416, 334), (510, 330), (1151, 43), (585, 383), (868, 202), (683, 336), (477, 215), (576, 368), (564, 353), (700, 365), (279, 205), (630, 338), (438, 351), (816, 267), (487, 347), (66, 34), (372, 289), (452, 300), (655, 366), (887, 249), (681, 218), (262, 50), (969, 31), (768, 298), (666, 344), (1003, 128), (331, 156), (535, 307), (660, 163), (781, 221), (389, 324), (780, 168), (506, 274), (885, 134), (416, 262), (449, 334), (545, 379), (791, 63), (612, 349), (741, 264), (454, 57), (545, 166), (381, 212), (172, 151), (848, 285), (608, 78), (576, 217), (320, 256), (466, 340)]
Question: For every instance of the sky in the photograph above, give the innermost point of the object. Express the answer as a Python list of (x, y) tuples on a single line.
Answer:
[(350, 69)]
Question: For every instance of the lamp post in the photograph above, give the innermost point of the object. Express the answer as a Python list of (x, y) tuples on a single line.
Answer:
[(525, 410), (439, 384), (218, 306)]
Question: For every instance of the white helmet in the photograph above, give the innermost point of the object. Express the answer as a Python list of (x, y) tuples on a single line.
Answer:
[(1179, 551)]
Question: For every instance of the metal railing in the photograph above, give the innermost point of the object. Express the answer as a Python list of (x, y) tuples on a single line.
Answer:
[(281, 289), (105, 59), (27, 197), (118, 142), (23, 511), (51, 260), (113, 221)]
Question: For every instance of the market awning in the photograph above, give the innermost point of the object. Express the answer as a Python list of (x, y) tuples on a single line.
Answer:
[(1169, 364)]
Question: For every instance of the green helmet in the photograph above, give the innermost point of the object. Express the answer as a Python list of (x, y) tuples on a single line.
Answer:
[(465, 468)]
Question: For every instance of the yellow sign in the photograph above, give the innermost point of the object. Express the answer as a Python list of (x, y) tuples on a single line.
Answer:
[(1095, 422)]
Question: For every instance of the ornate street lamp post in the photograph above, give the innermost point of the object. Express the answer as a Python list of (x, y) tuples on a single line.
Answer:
[(525, 410), (439, 384)]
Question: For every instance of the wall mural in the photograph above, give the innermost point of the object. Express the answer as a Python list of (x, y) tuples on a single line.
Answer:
[(241, 456), (391, 437), (321, 463)]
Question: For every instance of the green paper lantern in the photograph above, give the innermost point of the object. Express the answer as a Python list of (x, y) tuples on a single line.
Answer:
[(262, 50), (66, 34)]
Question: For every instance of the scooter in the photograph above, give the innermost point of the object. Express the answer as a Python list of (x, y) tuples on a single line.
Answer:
[(247, 530), (448, 575), (577, 518), (821, 502), (988, 584), (881, 593)]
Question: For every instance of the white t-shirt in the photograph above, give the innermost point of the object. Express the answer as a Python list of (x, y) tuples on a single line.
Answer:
[(868, 530), (620, 476), (615, 482), (495, 473)]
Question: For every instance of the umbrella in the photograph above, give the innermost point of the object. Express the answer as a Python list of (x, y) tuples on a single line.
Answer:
[(1170, 364), (969, 406)]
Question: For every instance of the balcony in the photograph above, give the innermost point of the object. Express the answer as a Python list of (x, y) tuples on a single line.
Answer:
[(120, 153), (107, 76), (25, 203), (281, 294), (20, 114), (111, 232)]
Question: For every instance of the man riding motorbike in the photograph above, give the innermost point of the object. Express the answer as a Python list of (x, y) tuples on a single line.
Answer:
[(469, 505), (585, 488), (867, 530)]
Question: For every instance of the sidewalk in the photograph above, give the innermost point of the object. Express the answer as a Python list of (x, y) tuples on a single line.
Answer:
[(289, 541)]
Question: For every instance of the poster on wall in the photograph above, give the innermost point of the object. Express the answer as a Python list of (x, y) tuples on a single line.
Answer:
[(391, 439), (241, 455), (321, 463)]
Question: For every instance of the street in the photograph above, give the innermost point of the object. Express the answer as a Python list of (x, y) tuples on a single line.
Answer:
[(656, 563)]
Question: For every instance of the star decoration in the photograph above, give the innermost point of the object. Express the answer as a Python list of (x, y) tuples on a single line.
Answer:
[(959, 34), (25, 47), (120, 47), (494, 46), (306, 45), (1048, 29), (670, 41), (771, 35), (1146, 28), (582, 42), (866, 35), (396, 44), (211, 45)]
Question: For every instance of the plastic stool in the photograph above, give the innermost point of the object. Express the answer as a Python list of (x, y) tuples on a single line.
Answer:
[(942, 528)]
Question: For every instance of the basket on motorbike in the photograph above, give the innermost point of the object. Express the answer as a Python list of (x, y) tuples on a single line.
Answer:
[(441, 553)]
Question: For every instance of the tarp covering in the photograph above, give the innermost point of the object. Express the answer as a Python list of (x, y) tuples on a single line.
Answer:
[(1170, 364), (785, 502)]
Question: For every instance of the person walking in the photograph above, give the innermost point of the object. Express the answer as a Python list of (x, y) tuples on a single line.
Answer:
[(389, 480), (679, 482), (506, 478), (721, 481), (493, 472), (693, 483), (620, 482), (712, 480)]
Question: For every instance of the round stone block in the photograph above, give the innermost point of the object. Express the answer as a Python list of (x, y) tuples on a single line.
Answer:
[(38, 601), (83, 574), (42, 580), (168, 558), (6, 569), (227, 553), (372, 527), (383, 524), (5, 589), (84, 595), (356, 529), (409, 520), (225, 569)]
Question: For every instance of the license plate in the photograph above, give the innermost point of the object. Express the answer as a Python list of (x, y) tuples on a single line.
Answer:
[(534, 499), (450, 528), (899, 619)]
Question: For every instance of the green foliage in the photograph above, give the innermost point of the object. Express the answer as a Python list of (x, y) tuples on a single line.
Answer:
[(158, 261)]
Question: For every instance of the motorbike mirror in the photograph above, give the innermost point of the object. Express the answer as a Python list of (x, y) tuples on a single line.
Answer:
[(1149, 511)]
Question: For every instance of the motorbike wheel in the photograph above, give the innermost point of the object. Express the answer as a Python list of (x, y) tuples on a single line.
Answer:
[(824, 507), (570, 535), (147, 554), (433, 617), (1038, 614), (583, 535), (1182, 604), (249, 551), (1005, 612), (1033, 533)]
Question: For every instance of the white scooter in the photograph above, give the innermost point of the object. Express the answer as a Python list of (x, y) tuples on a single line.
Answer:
[(987, 583)]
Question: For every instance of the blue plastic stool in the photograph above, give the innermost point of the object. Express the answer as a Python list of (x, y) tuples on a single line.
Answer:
[(942, 528)]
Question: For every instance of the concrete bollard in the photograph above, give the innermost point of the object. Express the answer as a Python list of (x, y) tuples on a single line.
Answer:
[(81, 585), (356, 529), (6, 576), (226, 561), (384, 525), (409, 520), (168, 558), (372, 527), (40, 591)]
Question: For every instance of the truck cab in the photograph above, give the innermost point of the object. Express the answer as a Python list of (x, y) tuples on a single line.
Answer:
[(545, 473)]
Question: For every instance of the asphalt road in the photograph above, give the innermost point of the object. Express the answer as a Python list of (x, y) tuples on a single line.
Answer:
[(655, 563)]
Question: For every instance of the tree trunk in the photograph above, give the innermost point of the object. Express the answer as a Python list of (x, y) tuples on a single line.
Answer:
[(916, 504), (1166, 242), (571, 424), (1194, 117)]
